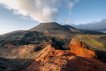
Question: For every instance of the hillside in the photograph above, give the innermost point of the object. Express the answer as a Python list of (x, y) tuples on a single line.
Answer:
[(53, 47), (22, 37)]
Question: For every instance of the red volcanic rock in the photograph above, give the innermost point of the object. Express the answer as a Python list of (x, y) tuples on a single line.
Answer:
[(84, 64), (80, 49), (51, 59)]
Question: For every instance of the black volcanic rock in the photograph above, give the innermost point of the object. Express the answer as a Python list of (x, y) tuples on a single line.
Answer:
[(52, 28)]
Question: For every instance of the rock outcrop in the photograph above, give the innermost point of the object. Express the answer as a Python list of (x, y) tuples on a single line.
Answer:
[(81, 49)]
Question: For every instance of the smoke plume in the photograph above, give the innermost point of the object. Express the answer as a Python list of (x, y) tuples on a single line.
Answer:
[(39, 10)]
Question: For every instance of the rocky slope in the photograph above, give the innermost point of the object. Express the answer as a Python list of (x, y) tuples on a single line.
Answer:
[(48, 56), (81, 49), (51, 59)]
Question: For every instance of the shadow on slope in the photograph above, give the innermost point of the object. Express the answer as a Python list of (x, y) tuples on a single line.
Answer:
[(101, 55), (14, 64), (83, 64)]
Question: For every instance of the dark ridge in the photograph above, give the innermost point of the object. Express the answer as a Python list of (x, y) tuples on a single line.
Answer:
[(72, 29), (68, 26)]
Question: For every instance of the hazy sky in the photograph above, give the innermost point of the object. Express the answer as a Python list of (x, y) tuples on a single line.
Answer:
[(24, 14)]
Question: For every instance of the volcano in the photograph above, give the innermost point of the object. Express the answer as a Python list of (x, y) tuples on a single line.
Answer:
[(52, 28)]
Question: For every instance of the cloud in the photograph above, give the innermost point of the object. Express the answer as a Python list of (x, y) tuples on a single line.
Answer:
[(100, 26), (39, 10)]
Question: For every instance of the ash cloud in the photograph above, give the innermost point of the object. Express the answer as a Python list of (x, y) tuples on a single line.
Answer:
[(39, 10)]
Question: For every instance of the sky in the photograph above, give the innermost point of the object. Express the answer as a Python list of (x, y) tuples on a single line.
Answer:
[(25, 14)]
